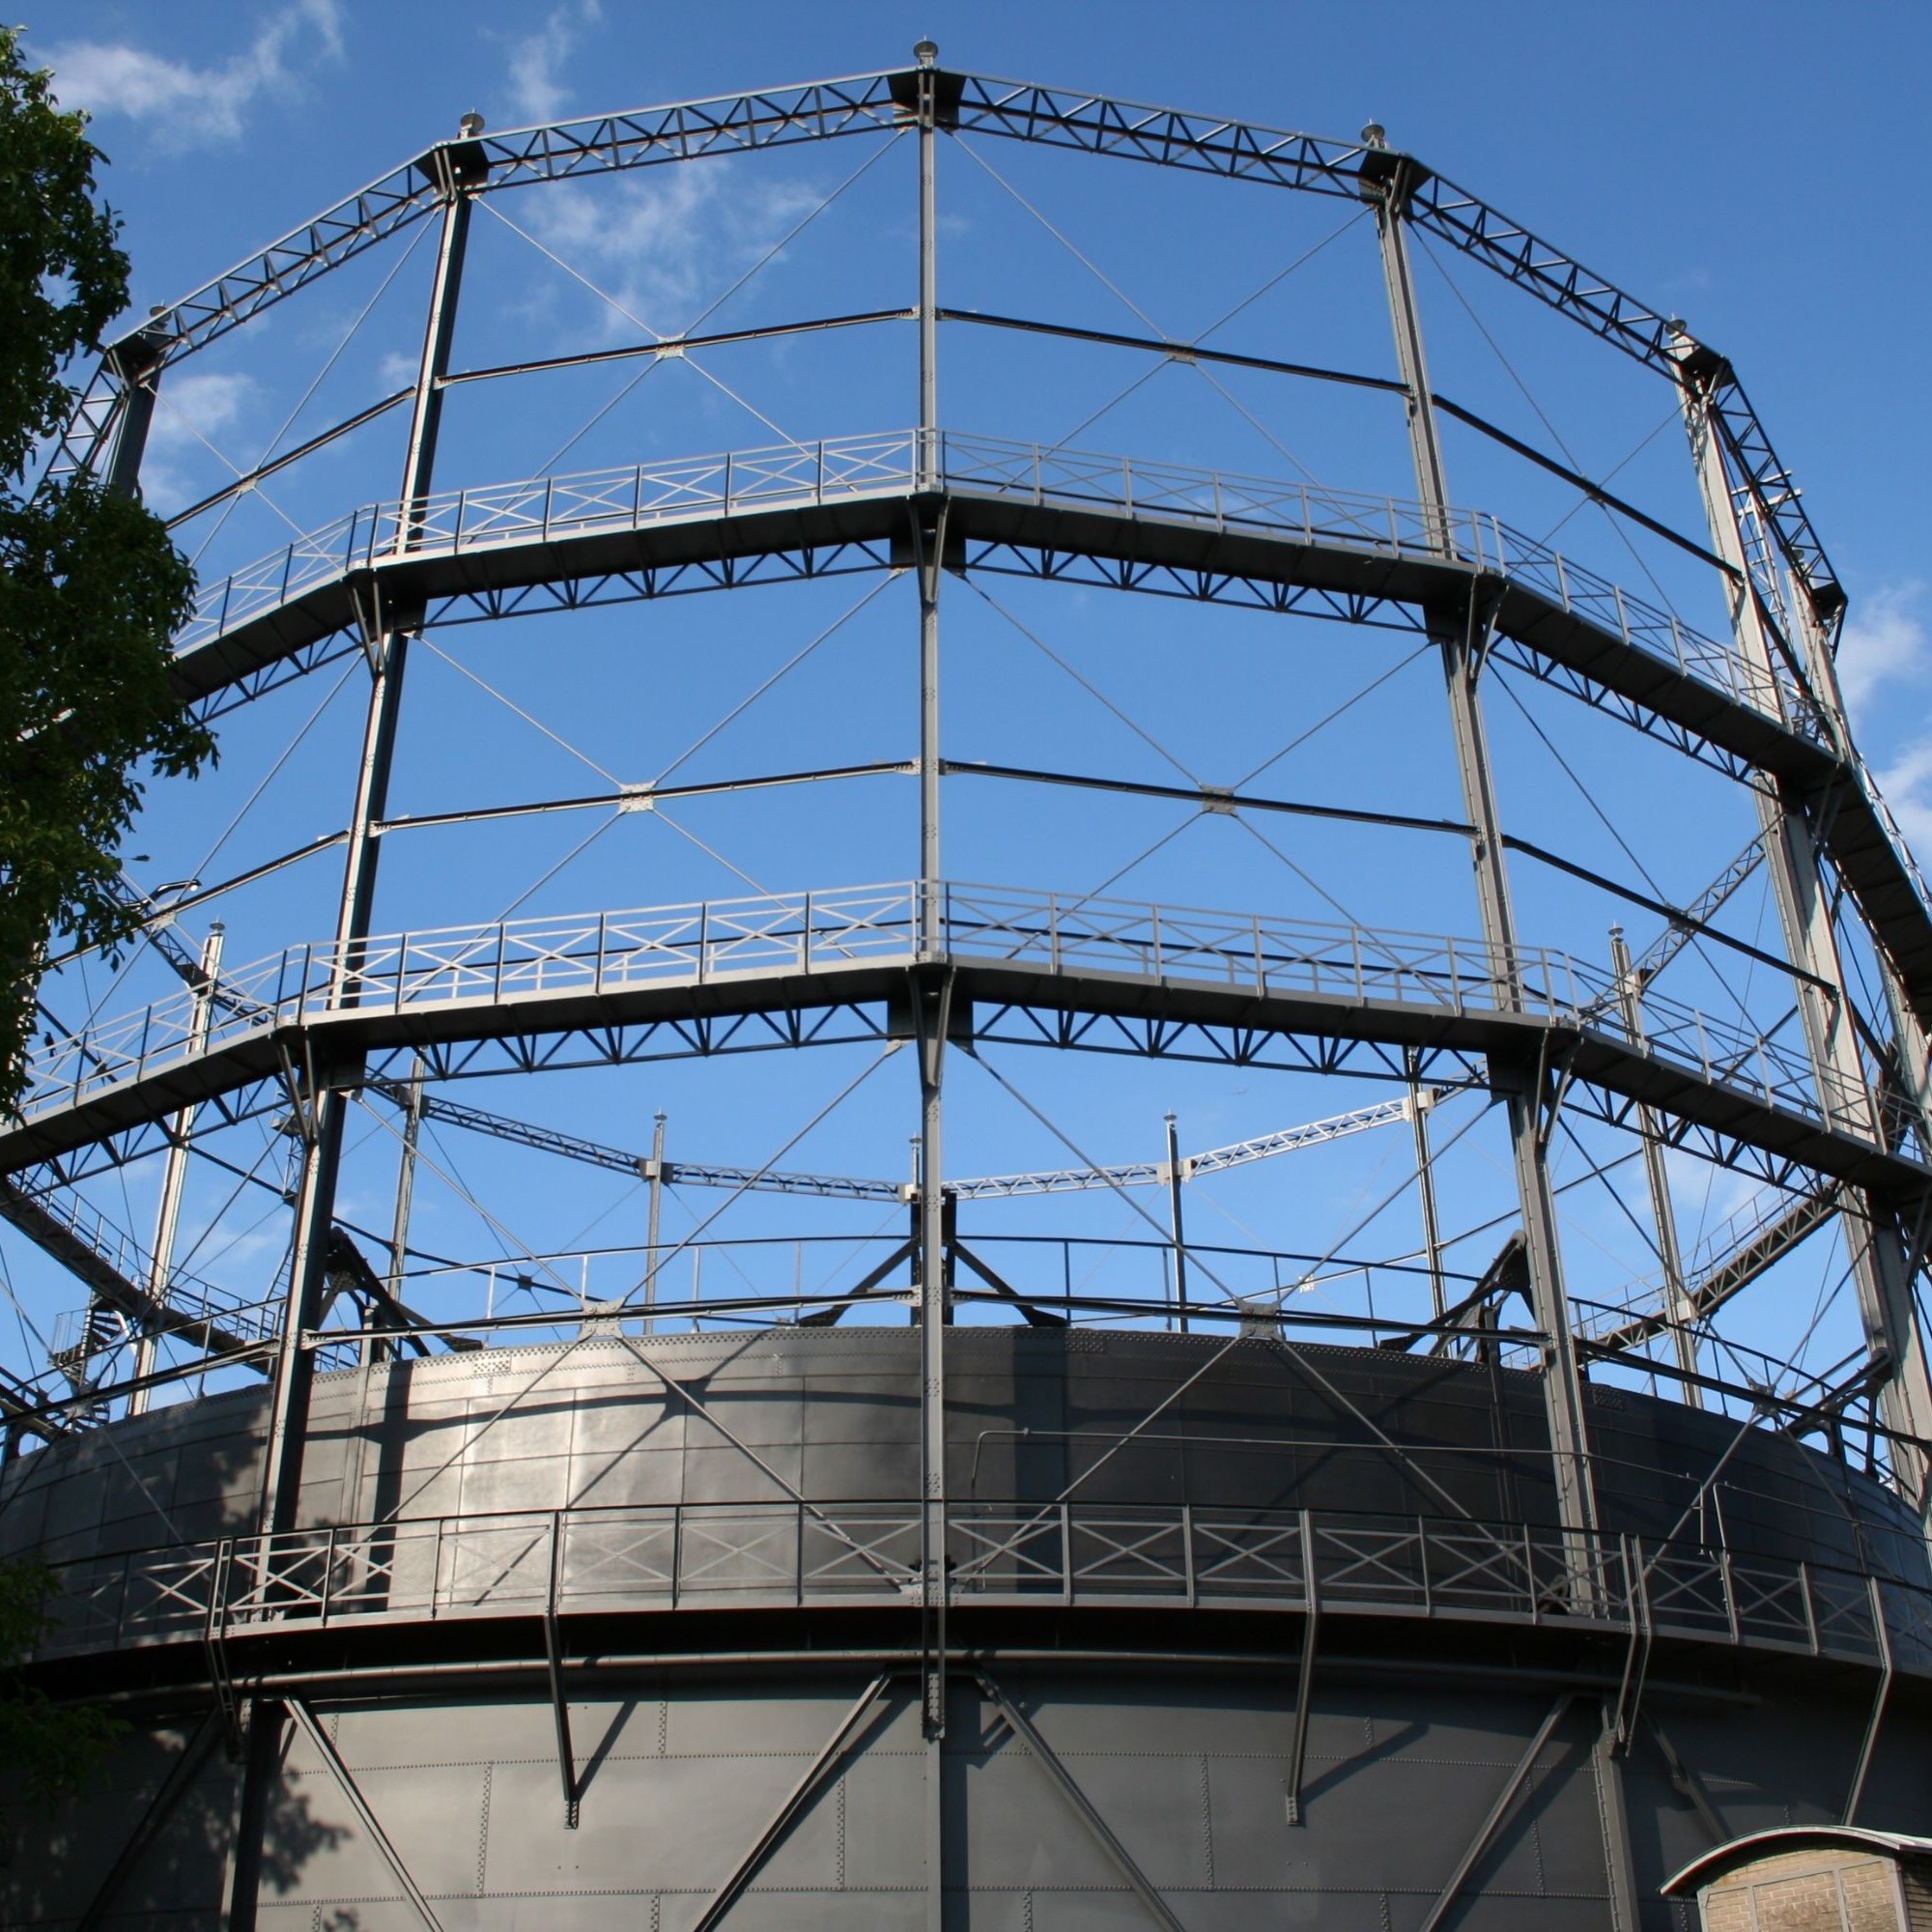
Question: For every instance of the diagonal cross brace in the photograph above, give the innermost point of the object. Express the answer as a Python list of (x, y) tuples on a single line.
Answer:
[(180, 1774), (332, 1760), (767, 1840), (1136, 1880), (1492, 1824)]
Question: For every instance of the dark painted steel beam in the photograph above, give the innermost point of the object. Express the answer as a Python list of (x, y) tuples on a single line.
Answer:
[(796, 1799), (670, 345), (154, 1820), (263, 471), (1064, 1781), (345, 1782), (1227, 358), (1493, 1820), (340, 1036)]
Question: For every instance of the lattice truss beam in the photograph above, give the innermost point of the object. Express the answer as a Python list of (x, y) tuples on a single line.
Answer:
[(424, 562)]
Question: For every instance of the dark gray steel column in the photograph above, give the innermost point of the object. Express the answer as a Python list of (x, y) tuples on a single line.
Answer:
[(1425, 1180), (326, 1100), (1528, 1088), (137, 363), (1881, 1267), (405, 1194), (934, 1013), (1174, 1181), (1662, 1214), (654, 1221)]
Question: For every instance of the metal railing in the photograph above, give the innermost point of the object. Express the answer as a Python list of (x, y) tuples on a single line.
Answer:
[(809, 933), (190, 1300), (551, 508), (686, 1556)]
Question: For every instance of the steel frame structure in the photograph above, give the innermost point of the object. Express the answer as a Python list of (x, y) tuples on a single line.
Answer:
[(1839, 1121)]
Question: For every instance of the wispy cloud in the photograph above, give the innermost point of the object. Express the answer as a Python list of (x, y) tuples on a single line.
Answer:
[(1906, 782), (1888, 645), (197, 409), (1884, 638), (536, 87), (663, 245), (185, 105)]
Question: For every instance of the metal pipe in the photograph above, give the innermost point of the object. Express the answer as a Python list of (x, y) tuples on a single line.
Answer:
[(1424, 1181), (1174, 1215), (653, 1223)]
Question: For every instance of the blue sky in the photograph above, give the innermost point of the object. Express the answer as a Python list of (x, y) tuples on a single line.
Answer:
[(1730, 163)]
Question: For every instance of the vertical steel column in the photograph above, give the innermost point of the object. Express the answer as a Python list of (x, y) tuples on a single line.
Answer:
[(405, 1194), (933, 1007), (653, 1222), (1174, 1178), (326, 1104), (1425, 1180), (1663, 1213), (174, 1175), (1881, 1267), (138, 364), (1528, 1089)]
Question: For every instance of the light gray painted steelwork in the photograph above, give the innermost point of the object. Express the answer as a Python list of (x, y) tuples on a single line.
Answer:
[(1881, 1267), (647, 1569), (1529, 1088)]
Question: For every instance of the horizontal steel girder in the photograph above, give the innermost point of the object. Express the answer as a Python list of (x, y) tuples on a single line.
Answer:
[(381, 1582), (881, 105), (1010, 951), (1151, 526)]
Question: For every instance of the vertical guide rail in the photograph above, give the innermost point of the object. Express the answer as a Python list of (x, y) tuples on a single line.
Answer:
[(560, 1704), (1881, 1265), (324, 1106), (406, 1189), (656, 1215), (174, 1175), (1529, 1092), (1419, 1103), (1174, 1181), (933, 1007), (1662, 1214)]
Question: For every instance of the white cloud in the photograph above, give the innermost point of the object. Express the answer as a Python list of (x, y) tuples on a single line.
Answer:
[(1907, 785), (663, 244), (537, 92), (1886, 642), (1885, 637), (201, 404), (193, 106)]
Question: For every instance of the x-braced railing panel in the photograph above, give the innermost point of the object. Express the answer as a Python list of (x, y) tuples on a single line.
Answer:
[(547, 510), (717, 1556), (801, 935)]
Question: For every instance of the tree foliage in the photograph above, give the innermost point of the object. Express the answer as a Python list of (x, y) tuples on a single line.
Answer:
[(91, 586), (47, 1748)]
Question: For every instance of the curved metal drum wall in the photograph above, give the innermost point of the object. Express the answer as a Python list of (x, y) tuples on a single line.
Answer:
[(730, 1592)]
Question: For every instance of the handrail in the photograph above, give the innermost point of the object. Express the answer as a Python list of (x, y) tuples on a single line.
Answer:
[(822, 931), (545, 510), (670, 1556)]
